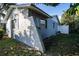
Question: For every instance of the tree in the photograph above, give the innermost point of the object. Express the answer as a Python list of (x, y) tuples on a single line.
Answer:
[(3, 11), (4, 8), (71, 17), (51, 4), (73, 9)]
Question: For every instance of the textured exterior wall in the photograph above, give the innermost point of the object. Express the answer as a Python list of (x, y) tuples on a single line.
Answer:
[(8, 27), (26, 31)]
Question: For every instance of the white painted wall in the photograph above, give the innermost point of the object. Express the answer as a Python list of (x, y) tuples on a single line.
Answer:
[(8, 27), (63, 29), (54, 18), (50, 30), (27, 32)]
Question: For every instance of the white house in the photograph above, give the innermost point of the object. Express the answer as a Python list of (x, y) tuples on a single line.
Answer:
[(30, 25)]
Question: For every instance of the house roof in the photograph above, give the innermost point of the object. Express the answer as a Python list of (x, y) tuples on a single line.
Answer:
[(30, 6), (41, 11)]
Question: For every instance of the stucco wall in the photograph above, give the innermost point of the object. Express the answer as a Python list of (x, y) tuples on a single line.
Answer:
[(26, 32)]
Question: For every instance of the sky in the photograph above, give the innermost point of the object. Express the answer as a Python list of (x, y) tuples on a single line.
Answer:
[(58, 10)]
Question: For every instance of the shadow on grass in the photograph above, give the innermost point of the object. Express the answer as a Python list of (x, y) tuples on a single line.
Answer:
[(62, 45)]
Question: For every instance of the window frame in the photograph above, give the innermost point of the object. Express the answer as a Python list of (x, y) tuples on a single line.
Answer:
[(44, 24), (53, 25)]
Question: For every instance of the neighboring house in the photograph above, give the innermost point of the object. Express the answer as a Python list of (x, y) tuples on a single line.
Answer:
[(30, 25)]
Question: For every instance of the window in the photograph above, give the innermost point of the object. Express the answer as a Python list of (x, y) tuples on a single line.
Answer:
[(43, 24), (37, 22), (53, 25), (42, 21), (16, 21), (13, 24)]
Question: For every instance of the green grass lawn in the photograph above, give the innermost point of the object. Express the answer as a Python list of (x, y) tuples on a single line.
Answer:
[(60, 45), (63, 45), (11, 47)]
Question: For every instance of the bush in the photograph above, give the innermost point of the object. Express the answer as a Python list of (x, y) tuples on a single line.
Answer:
[(1, 33)]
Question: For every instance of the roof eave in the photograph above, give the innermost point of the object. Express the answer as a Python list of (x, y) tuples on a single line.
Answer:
[(41, 11), (32, 6)]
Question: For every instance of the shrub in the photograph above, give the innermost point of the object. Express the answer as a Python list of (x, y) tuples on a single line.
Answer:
[(1, 33)]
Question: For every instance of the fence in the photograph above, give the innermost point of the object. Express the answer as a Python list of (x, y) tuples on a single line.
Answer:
[(63, 29)]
